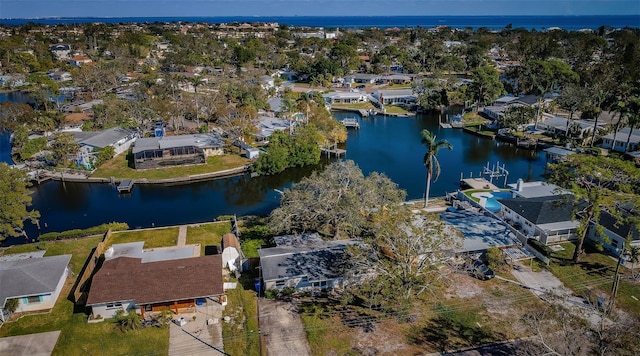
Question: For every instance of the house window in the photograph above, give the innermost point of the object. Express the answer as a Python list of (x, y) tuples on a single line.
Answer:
[(33, 299), (148, 308), (280, 283), (117, 305)]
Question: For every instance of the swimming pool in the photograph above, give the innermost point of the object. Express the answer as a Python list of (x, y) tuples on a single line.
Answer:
[(492, 204), (490, 199)]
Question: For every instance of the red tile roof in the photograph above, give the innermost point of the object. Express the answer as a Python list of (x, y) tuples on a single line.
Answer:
[(125, 278)]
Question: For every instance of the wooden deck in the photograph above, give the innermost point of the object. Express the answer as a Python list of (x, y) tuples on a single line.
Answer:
[(338, 152), (125, 186), (351, 122)]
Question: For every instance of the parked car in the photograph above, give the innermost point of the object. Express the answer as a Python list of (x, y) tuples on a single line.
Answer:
[(479, 270), (362, 86)]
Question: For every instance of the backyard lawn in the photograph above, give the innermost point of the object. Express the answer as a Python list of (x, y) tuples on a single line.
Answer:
[(118, 167), (207, 234), (160, 237), (77, 337)]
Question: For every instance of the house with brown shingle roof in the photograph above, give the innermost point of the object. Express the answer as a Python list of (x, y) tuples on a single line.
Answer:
[(126, 283)]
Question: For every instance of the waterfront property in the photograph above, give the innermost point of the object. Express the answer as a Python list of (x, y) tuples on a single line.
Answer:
[(548, 219), (351, 97), (154, 152), (560, 125), (401, 97), (305, 263), (618, 141), (35, 281), (231, 252), (268, 125), (130, 284)]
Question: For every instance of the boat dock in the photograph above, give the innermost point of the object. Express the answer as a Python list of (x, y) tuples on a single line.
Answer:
[(333, 151), (125, 186), (351, 122)]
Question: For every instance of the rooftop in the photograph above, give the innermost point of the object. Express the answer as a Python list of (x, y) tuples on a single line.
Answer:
[(205, 140), (31, 276), (125, 278)]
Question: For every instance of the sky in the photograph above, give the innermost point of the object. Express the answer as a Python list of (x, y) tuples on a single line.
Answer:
[(210, 8)]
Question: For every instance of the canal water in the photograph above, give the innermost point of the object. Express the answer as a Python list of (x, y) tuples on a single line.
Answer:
[(388, 145)]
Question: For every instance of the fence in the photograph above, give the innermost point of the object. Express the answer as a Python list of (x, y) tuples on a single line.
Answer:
[(81, 288)]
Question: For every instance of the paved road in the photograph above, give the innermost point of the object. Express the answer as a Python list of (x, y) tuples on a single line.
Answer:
[(41, 344), (282, 329)]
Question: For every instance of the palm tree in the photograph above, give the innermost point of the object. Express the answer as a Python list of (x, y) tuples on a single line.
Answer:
[(633, 118), (430, 160)]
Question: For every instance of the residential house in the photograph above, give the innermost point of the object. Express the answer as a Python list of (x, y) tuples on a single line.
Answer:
[(499, 106), (79, 61), (548, 219), (364, 78), (305, 263), (616, 231), (154, 152), (340, 97), (396, 79), (12, 80), (61, 51), (117, 137), (60, 76), (35, 281), (560, 125), (618, 141), (402, 97), (267, 82), (129, 284), (268, 125)]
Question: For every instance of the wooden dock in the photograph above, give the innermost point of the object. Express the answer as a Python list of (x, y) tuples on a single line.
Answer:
[(351, 122), (125, 186), (332, 151)]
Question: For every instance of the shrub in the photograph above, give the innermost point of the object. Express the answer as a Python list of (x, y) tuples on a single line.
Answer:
[(495, 259), (271, 293), (538, 246), (75, 233)]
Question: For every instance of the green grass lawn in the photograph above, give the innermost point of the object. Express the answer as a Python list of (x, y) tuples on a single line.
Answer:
[(473, 119), (361, 106), (207, 234), (396, 110), (118, 168), (241, 334), (77, 337), (161, 237), (594, 273)]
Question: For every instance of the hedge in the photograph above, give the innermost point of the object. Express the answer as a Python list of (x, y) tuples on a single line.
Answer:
[(75, 233), (543, 249)]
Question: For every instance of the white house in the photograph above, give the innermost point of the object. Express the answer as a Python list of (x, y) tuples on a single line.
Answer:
[(616, 232), (78, 61), (117, 137), (61, 51), (548, 219), (618, 141), (340, 97), (33, 280), (396, 97)]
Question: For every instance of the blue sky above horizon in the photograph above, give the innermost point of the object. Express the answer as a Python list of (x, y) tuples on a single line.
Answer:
[(206, 8)]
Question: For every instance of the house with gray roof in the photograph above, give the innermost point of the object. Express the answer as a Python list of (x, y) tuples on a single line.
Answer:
[(560, 125), (305, 264), (548, 219), (615, 230), (36, 282), (618, 141), (90, 142), (342, 97), (154, 152)]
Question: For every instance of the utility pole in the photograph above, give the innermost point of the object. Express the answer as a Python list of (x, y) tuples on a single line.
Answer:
[(616, 279)]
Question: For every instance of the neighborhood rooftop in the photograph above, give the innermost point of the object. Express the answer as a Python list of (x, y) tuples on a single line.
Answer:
[(125, 278), (197, 140), (31, 276)]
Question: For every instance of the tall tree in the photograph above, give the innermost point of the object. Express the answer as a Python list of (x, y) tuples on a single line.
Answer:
[(486, 85), (15, 200), (598, 182), (430, 160), (336, 202), (633, 118)]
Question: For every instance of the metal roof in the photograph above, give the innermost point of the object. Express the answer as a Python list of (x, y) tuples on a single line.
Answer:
[(108, 137), (204, 140)]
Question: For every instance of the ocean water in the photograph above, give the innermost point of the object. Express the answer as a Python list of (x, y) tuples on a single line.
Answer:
[(475, 22)]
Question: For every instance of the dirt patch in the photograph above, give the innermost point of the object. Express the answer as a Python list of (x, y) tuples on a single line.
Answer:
[(283, 331)]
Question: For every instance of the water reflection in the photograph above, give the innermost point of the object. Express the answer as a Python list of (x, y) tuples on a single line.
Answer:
[(388, 145)]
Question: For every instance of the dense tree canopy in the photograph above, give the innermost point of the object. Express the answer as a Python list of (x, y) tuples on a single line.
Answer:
[(15, 200), (336, 202)]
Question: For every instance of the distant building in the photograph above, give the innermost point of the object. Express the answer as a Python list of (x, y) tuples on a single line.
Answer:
[(618, 141), (61, 51), (119, 138)]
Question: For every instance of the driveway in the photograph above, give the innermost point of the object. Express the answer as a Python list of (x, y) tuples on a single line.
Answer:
[(202, 336), (282, 329), (41, 344)]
